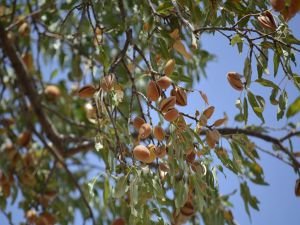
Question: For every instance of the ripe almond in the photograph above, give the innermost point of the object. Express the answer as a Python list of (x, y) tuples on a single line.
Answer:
[(187, 209), (158, 133), (87, 91), (212, 137), (278, 5), (153, 91), (145, 131), (181, 97), (267, 20), (160, 151), (171, 115), (167, 103), (107, 82), (209, 111), (52, 92), (164, 82), (297, 188), (235, 81), (24, 138), (190, 157), (138, 122), (169, 67), (141, 152), (119, 221), (219, 122)]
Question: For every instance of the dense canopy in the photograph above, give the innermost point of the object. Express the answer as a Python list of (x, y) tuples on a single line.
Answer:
[(94, 99)]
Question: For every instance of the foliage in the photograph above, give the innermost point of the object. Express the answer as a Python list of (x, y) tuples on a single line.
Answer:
[(84, 83)]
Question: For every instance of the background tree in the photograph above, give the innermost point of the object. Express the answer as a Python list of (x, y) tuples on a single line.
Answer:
[(103, 87)]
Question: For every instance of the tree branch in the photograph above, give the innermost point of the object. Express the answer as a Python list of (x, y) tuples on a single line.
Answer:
[(29, 90)]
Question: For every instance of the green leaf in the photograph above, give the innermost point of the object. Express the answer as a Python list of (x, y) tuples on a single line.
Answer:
[(255, 105), (282, 104), (273, 95), (247, 71), (236, 39), (248, 198), (267, 83), (276, 60), (245, 106), (294, 108), (121, 187)]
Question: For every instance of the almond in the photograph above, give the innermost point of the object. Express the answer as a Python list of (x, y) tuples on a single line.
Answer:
[(24, 138), (212, 137), (138, 122), (219, 122), (180, 94), (167, 103), (107, 82), (153, 91), (209, 111), (145, 131), (158, 133), (169, 67), (141, 152), (52, 92), (267, 21), (87, 91), (187, 209), (164, 82), (235, 81), (190, 157), (119, 221), (161, 151), (171, 115)]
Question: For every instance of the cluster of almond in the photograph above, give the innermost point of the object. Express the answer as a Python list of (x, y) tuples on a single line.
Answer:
[(178, 95), (107, 83), (151, 152)]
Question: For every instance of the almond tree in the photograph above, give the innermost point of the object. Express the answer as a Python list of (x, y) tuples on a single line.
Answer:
[(94, 98)]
